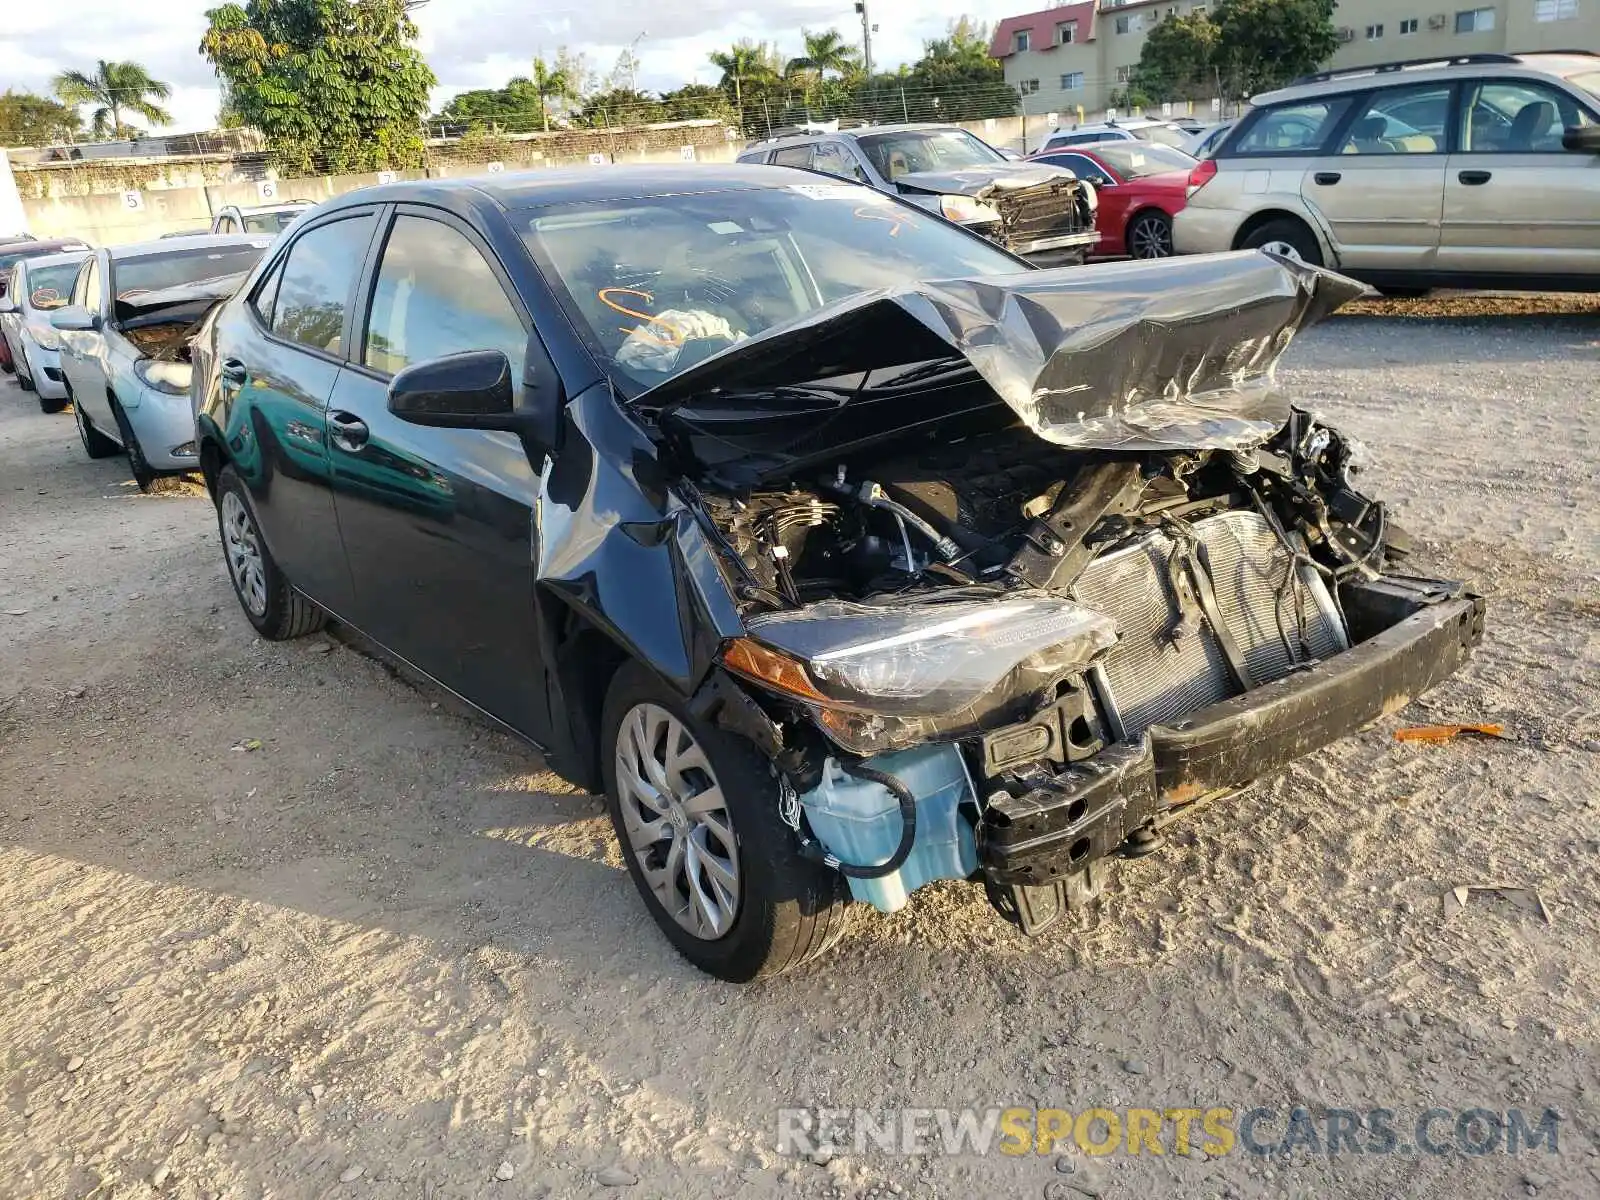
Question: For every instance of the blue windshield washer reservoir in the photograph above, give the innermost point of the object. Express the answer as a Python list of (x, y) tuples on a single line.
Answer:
[(859, 821)]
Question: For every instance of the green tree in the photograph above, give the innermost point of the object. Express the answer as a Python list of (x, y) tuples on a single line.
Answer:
[(29, 120), (515, 108), (746, 65), (1179, 59), (115, 88), (826, 51), (621, 106), (697, 101), (1263, 44), (334, 85), (956, 70), (554, 83)]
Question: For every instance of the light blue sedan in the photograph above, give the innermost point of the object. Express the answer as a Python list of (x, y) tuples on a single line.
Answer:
[(125, 344)]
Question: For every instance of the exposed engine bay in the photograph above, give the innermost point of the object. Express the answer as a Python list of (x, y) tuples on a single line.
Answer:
[(1012, 648)]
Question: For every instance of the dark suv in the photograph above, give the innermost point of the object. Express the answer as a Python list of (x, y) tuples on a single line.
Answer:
[(842, 551)]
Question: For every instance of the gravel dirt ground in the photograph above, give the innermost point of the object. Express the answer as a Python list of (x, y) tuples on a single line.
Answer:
[(275, 921)]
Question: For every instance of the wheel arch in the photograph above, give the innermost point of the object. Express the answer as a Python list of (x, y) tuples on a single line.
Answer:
[(1312, 224)]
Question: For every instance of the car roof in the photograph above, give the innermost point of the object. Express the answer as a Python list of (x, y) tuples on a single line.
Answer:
[(252, 210), (37, 246), (1440, 68), (70, 257), (176, 245), (542, 188)]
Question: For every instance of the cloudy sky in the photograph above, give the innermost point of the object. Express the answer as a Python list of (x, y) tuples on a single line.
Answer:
[(469, 43)]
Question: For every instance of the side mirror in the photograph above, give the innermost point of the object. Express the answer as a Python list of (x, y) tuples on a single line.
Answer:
[(75, 319), (1581, 138), (474, 391)]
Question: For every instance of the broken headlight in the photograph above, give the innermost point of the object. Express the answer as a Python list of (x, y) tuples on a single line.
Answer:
[(876, 678), (967, 211)]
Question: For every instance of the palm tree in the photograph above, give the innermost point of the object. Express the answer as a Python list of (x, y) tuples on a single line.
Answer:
[(115, 88), (825, 51), (552, 83), (745, 62)]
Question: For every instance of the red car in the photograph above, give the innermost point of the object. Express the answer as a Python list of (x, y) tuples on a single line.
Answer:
[(1141, 185)]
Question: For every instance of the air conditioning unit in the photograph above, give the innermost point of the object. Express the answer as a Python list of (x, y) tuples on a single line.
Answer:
[(1438, 21), (1346, 34)]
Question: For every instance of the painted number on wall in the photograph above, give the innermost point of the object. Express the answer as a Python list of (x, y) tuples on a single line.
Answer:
[(133, 201), (495, 168), (686, 153), (388, 176), (267, 189), (597, 160)]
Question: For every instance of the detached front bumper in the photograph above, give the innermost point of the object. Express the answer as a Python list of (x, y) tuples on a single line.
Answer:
[(1090, 808)]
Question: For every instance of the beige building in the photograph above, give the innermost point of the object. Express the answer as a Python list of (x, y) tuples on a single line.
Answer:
[(1079, 55)]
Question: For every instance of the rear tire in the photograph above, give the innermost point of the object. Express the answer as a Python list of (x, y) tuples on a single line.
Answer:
[(52, 406), (1288, 237), (1149, 235), (95, 443), (277, 611), (786, 910)]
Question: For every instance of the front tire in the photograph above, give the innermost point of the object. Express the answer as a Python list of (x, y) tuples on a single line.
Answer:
[(1149, 235), (95, 443), (1288, 237), (149, 479), (695, 811), (277, 611)]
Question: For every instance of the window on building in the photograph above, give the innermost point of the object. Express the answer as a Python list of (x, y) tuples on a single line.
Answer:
[(1475, 20), (1124, 74), (1066, 33), (1555, 10), (1072, 81), (1374, 32), (1022, 40), (1028, 87), (1408, 27), (1199, 10), (1124, 24)]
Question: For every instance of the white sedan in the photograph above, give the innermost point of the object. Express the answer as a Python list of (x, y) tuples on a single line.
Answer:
[(39, 286)]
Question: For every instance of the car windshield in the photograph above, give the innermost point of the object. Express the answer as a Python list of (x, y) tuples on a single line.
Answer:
[(269, 222), (659, 283), (157, 272), (906, 151), (1135, 160), (1589, 81), (49, 287), (1161, 135)]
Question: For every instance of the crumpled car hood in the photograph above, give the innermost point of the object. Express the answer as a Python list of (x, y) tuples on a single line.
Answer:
[(1176, 354), (979, 182)]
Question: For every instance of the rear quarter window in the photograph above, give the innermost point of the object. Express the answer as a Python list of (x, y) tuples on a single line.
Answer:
[(1302, 127)]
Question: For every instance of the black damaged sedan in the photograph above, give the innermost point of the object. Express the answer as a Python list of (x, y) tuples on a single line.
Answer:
[(842, 550)]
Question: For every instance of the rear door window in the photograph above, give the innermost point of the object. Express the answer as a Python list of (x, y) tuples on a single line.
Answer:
[(318, 277), (1409, 120), (792, 156), (1302, 128), (836, 160)]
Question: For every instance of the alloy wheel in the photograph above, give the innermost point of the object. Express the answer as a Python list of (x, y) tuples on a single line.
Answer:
[(677, 821), (1150, 237), (243, 548)]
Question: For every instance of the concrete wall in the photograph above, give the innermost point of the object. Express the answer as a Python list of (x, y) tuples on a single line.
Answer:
[(111, 209), (12, 218)]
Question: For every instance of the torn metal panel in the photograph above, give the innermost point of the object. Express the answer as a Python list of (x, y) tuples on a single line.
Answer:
[(1142, 356)]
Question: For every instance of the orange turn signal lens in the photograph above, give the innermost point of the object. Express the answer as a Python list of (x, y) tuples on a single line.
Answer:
[(770, 667)]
